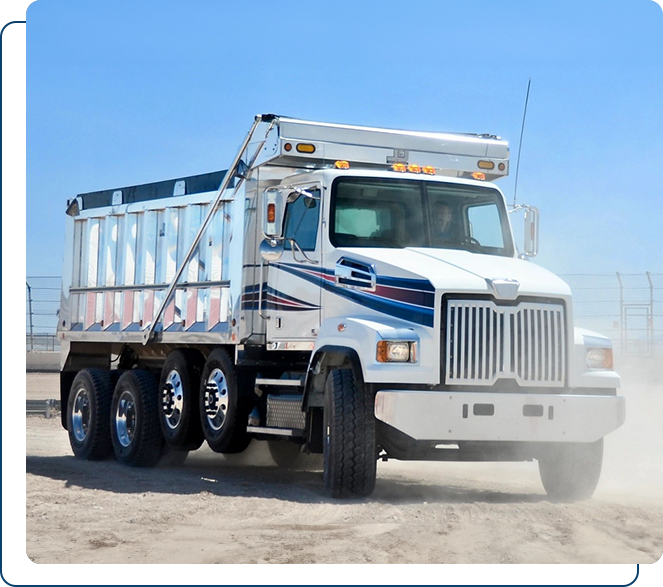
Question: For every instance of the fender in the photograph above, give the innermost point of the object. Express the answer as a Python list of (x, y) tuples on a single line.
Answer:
[(353, 342), (322, 361)]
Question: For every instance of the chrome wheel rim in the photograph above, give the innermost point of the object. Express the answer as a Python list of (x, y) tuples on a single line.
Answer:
[(172, 400), (81, 415), (125, 418), (216, 399)]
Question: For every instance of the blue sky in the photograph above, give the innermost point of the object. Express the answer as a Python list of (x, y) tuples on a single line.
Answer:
[(128, 92)]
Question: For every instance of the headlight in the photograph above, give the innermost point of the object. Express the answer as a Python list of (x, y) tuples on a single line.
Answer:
[(396, 351), (599, 358)]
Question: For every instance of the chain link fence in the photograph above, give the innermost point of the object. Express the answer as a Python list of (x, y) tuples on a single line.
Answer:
[(626, 307), (42, 304)]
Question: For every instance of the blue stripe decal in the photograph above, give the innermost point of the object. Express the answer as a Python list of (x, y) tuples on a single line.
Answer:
[(420, 284), (411, 313), (403, 282), (274, 300)]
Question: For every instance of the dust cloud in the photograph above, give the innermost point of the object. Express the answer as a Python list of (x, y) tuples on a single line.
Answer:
[(633, 458)]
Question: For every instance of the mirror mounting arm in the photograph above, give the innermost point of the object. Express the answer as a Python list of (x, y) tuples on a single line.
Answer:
[(295, 247)]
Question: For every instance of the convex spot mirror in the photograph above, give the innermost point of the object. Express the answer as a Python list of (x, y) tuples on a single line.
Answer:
[(531, 248)]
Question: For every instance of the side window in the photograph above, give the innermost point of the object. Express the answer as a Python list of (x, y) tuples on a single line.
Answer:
[(301, 222), (485, 225)]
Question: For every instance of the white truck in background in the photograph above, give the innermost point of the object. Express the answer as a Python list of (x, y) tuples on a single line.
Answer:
[(343, 290)]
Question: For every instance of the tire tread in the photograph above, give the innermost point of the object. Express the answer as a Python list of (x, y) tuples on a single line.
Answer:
[(100, 385), (150, 440), (352, 455), (190, 436)]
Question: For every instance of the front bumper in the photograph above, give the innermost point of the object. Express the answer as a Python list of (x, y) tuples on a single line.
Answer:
[(464, 416)]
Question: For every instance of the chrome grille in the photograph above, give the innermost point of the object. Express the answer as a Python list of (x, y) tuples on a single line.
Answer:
[(486, 342)]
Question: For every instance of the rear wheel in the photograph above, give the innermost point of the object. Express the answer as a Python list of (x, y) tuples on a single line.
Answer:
[(224, 408), (88, 411), (284, 453), (571, 471), (349, 445), (134, 418), (179, 386)]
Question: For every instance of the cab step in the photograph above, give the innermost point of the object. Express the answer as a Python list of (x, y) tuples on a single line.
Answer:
[(260, 382), (271, 431)]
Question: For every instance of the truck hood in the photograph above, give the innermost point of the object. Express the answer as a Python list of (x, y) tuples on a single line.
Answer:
[(464, 271)]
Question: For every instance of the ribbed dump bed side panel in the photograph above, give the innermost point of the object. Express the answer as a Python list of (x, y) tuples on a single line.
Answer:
[(124, 262)]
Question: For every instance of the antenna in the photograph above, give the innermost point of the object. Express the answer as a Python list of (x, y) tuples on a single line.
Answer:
[(520, 144)]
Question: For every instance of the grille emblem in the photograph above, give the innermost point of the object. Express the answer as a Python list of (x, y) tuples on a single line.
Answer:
[(504, 288)]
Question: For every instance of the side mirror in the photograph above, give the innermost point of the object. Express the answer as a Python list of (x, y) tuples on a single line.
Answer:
[(271, 249), (531, 248), (272, 213)]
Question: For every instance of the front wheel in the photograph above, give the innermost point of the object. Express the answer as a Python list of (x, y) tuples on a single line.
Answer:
[(349, 445), (571, 471)]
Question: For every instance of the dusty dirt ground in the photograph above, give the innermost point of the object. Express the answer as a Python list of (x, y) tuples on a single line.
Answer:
[(244, 510)]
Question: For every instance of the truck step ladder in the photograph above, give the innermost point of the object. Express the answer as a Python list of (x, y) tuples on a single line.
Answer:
[(284, 415), (280, 383), (272, 431)]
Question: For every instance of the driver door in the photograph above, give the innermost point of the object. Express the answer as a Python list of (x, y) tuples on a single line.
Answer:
[(292, 294)]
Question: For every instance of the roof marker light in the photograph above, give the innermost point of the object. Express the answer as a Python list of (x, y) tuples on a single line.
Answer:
[(478, 175), (399, 167), (342, 165), (428, 170), (412, 168)]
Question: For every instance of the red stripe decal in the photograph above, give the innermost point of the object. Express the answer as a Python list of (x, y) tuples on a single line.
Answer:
[(148, 308), (214, 307), (128, 309), (108, 308), (90, 305), (191, 306)]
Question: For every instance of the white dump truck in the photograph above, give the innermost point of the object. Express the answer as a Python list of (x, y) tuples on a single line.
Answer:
[(340, 289)]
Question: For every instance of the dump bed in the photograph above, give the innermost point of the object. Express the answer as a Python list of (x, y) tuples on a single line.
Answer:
[(124, 256)]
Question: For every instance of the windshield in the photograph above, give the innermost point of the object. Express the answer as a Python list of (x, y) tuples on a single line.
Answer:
[(398, 213)]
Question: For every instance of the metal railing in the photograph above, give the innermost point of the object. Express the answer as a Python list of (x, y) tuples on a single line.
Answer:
[(626, 307), (42, 301)]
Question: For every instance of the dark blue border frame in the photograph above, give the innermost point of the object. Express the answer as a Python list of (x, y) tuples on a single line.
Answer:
[(12, 49)]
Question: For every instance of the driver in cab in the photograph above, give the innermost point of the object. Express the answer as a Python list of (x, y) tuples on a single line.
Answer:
[(444, 230)]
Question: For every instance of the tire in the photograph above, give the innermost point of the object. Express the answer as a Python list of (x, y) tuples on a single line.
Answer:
[(178, 397), (349, 445), (284, 453), (570, 472), (134, 420), (88, 411), (224, 410)]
